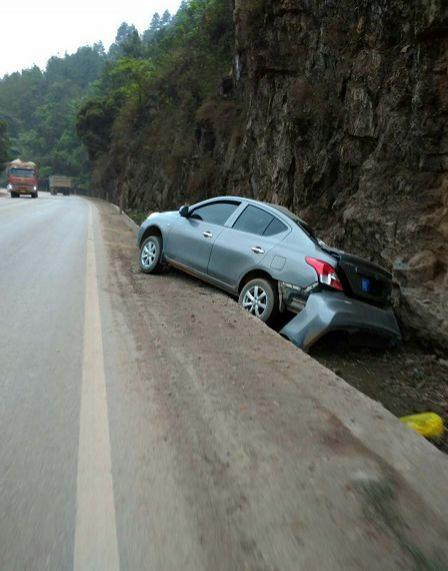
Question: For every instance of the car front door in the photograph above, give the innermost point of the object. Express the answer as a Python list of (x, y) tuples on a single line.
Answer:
[(191, 239), (243, 247)]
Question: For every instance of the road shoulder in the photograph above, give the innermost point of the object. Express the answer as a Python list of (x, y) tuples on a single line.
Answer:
[(272, 451)]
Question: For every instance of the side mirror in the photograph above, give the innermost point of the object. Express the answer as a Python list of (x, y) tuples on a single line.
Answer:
[(184, 211)]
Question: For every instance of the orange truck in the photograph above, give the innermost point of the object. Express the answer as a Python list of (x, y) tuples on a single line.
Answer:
[(22, 178)]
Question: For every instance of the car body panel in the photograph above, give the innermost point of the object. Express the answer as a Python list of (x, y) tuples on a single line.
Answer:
[(327, 311), (295, 269), (162, 221), (190, 243), (235, 254)]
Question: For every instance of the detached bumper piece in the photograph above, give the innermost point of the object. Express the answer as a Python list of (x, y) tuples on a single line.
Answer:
[(327, 311)]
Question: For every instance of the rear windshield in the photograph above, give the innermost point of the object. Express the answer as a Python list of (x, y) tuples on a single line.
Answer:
[(22, 173), (301, 223)]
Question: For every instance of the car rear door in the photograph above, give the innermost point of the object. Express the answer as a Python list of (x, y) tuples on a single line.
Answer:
[(243, 247), (190, 241)]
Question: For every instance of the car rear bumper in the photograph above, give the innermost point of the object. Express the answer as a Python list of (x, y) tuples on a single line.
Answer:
[(327, 311)]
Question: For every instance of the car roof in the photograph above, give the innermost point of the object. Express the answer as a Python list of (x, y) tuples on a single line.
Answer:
[(275, 209), (283, 211)]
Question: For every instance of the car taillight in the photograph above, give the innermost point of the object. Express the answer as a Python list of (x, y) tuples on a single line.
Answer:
[(326, 273)]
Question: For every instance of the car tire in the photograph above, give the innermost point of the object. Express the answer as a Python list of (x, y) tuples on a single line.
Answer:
[(151, 255), (34, 195), (260, 297), (14, 195)]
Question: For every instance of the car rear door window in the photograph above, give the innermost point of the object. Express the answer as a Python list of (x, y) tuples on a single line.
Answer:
[(275, 227), (253, 220), (215, 213)]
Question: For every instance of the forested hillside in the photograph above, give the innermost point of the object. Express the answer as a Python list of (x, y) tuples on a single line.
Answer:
[(40, 108), (151, 81), (146, 104)]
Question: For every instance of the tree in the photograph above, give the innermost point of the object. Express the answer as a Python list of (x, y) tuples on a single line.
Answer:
[(129, 77), (165, 20), (154, 27), (95, 120), (4, 144), (132, 46), (127, 43)]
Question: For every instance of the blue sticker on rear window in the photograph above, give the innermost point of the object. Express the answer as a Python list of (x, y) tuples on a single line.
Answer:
[(365, 284)]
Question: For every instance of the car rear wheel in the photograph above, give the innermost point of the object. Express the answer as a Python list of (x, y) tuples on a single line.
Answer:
[(151, 255), (260, 298)]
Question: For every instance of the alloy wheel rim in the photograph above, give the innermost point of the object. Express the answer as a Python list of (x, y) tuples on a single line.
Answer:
[(149, 253), (256, 301)]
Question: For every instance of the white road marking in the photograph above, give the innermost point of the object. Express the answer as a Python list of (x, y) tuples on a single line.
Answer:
[(96, 547)]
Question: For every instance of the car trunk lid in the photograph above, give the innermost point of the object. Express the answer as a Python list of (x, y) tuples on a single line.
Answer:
[(362, 279)]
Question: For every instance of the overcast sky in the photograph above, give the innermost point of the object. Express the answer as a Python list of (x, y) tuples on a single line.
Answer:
[(40, 29)]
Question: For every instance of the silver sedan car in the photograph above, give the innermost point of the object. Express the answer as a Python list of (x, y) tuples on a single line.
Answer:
[(272, 261)]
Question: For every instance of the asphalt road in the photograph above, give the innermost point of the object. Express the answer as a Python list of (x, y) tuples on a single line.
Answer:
[(42, 267), (147, 423)]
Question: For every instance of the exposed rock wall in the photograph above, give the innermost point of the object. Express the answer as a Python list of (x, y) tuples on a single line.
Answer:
[(347, 123), (339, 110)]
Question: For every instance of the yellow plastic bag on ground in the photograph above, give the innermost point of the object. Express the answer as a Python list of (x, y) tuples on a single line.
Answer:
[(428, 424)]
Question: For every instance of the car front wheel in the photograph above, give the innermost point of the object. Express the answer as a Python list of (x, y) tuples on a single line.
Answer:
[(260, 297), (151, 255)]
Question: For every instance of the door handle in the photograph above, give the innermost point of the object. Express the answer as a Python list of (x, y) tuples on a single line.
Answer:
[(207, 234), (257, 250)]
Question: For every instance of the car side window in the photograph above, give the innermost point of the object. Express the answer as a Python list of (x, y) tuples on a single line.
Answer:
[(253, 220), (215, 213), (275, 227)]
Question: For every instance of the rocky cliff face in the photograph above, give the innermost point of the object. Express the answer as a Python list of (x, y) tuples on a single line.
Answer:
[(338, 109)]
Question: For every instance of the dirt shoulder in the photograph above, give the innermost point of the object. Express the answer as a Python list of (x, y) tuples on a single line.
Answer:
[(281, 463), (405, 380)]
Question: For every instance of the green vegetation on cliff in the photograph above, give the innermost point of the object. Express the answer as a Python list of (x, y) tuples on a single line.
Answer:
[(143, 108)]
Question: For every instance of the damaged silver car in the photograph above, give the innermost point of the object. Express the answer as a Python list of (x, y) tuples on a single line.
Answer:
[(272, 261)]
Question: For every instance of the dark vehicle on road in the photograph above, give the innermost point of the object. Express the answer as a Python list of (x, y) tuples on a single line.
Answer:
[(59, 184), (272, 261)]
